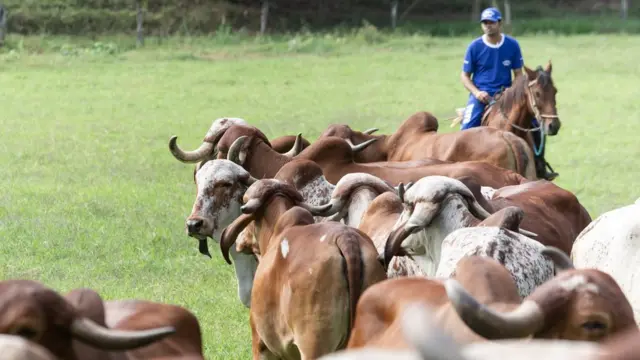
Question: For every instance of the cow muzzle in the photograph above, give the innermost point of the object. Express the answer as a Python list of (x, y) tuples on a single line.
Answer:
[(194, 226)]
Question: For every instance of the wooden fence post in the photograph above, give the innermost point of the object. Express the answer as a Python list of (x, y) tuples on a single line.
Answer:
[(139, 21), (264, 16), (394, 13), (3, 24)]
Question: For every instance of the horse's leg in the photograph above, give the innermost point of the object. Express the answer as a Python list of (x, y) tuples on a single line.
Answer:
[(541, 162)]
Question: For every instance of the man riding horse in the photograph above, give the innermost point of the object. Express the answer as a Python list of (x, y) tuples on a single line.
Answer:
[(491, 58)]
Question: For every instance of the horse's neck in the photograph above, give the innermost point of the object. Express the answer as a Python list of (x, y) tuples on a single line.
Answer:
[(517, 118)]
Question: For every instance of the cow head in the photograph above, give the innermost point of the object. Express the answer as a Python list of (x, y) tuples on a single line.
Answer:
[(577, 304), (220, 185), (354, 137), (207, 149), (434, 207), (30, 310), (260, 194), (352, 195)]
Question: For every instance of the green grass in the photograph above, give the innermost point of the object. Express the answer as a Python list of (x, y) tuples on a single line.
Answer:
[(92, 197)]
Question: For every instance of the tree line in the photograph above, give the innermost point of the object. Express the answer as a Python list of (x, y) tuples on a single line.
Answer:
[(164, 17)]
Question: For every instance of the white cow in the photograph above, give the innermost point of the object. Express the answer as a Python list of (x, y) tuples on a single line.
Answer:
[(611, 243)]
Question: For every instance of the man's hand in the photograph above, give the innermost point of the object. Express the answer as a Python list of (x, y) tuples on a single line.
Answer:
[(483, 96)]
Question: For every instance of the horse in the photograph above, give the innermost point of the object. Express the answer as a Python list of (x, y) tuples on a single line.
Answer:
[(530, 96)]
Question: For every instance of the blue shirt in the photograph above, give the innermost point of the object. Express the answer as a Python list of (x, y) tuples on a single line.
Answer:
[(490, 64)]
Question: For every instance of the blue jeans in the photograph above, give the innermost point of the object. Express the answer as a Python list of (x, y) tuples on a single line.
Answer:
[(472, 116)]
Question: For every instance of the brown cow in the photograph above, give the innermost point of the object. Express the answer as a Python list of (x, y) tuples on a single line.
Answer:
[(309, 277), (429, 342), (417, 138), (335, 157), (555, 214), (81, 326), (578, 304), (575, 305)]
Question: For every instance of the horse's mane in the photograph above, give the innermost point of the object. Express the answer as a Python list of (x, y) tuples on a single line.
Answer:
[(518, 90)]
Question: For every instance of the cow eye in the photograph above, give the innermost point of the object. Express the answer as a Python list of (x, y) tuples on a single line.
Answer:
[(26, 332), (594, 326)]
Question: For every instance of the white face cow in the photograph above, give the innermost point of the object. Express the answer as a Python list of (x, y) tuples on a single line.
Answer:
[(434, 207), (220, 186)]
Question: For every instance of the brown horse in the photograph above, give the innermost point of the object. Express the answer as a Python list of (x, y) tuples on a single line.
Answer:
[(533, 96), (530, 97)]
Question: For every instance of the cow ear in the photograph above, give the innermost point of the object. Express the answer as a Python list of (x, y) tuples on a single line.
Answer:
[(87, 303), (508, 218)]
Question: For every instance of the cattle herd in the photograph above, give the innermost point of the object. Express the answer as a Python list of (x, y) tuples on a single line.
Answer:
[(413, 245)]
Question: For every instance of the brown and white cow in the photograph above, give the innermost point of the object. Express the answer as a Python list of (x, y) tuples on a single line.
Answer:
[(309, 277), (220, 186), (418, 138), (82, 326), (433, 207)]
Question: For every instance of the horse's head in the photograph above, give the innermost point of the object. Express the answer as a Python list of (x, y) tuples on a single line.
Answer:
[(542, 98)]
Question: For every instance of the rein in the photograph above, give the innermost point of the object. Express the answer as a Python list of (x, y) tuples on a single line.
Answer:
[(536, 113)]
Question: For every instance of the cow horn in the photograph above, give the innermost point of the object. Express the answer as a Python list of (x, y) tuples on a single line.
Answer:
[(349, 183), (362, 146), (370, 131), (400, 190), (296, 148), (559, 258), (523, 321), (236, 154), (422, 215), (231, 232), (190, 156), (101, 337)]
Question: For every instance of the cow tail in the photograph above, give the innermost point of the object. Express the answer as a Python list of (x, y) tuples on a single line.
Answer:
[(350, 250)]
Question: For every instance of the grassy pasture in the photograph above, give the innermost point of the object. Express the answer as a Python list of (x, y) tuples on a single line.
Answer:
[(91, 196)]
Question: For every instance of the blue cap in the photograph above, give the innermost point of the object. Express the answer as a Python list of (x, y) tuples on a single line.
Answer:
[(491, 14)]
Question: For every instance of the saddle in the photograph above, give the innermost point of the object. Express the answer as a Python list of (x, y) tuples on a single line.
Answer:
[(460, 111)]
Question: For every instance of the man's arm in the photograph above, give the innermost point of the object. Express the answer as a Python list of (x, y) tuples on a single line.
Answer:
[(468, 83), (517, 72), (468, 68)]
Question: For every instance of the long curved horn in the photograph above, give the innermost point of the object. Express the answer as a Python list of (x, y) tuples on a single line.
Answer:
[(370, 131), (235, 153), (422, 215), (295, 149), (362, 146), (189, 156), (101, 337), (559, 258), (349, 183), (231, 232), (523, 321)]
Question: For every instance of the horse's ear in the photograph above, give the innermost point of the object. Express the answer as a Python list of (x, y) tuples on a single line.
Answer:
[(548, 67), (532, 75)]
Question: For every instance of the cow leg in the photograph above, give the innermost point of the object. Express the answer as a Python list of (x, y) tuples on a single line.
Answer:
[(258, 347)]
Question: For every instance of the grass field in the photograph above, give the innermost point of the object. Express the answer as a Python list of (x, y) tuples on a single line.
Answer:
[(92, 197)]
